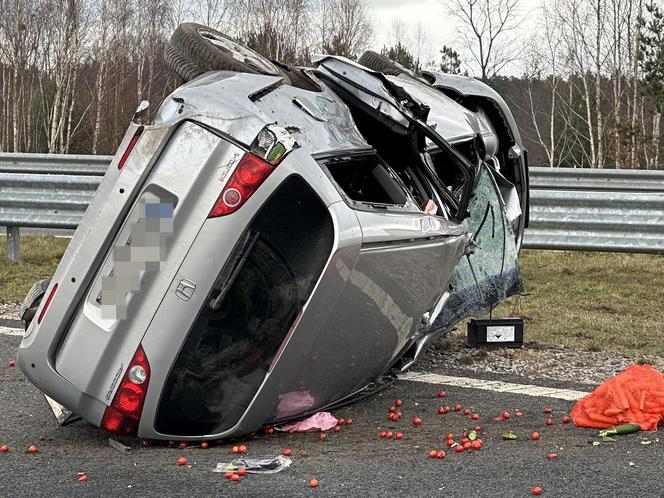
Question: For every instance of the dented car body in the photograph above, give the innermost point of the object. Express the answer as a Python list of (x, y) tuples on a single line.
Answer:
[(262, 251)]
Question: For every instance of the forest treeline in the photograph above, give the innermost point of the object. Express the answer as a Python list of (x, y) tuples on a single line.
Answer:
[(584, 78)]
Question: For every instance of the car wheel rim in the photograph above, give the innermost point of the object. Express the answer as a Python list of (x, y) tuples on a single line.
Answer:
[(239, 52)]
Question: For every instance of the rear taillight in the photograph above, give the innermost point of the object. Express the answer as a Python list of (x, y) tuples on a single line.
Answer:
[(130, 147), (47, 303), (249, 174), (123, 415)]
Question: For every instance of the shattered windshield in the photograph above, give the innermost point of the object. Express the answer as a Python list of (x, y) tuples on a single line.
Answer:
[(490, 273)]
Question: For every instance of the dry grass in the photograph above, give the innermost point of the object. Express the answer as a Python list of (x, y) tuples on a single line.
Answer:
[(39, 259), (591, 301)]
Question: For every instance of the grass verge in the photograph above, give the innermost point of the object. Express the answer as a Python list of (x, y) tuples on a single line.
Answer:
[(39, 259), (580, 300), (592, 301)]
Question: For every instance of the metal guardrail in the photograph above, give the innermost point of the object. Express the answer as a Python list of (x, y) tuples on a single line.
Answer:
[(604, 180), (56, 164), (572, 209)]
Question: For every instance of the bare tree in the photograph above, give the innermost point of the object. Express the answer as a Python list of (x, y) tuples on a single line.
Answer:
[(346, 26), (487, 30)]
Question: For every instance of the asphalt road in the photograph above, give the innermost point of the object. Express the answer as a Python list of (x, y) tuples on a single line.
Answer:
[(352, 462)]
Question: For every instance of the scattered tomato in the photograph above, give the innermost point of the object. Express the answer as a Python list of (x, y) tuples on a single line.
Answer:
[(398, 402), (243, 448), (474, 416), (476, 445), (4, 448), (269, 430), (548, 410), (392, 409), (450, 442), (398, 435), (341, 421), (457, 407), (204, 445), (441, 394), (551, 456), (549, 421), (313, 483), (228, 475), (447, 409), (182, 461), (11, 363), (458, 449), (83, 478), (467, 445), (242, 472), (566, 419), (450, 435), (393, 417), (417, 421), (32, 449), (518, 413), (433, 453), (287, 452), (389, 435), (477, 428), (399, 414), (235, 449), (183, 445), (322, 436), (441, 410), (440, 454), (535, 436), (464, 440), (337, 428), (349, 421), (505, 415), (466, 411), (536, 490), (480, 441), (235, 477)]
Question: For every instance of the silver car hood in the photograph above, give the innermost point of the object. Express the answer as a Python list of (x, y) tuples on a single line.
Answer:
[(452, 121)]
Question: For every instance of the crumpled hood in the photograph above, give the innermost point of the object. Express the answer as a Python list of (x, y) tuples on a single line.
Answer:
[(451, 121)]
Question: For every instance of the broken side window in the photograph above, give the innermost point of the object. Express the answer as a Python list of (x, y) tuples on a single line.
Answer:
[(367, 179), (489, 273)]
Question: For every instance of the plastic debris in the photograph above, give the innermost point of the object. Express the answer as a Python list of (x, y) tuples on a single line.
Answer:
[(321, 421), (118, 446), (255, 465), (636, 395)]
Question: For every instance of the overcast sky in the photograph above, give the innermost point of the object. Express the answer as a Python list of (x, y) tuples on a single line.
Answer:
[(438, 26)]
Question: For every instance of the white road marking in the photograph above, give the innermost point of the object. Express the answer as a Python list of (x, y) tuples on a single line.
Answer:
[(494, 385), (10, 331)]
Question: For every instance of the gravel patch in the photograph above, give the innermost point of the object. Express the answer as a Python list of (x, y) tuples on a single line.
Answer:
[(532, 362), (9, 311)]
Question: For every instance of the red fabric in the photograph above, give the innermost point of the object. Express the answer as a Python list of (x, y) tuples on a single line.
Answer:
[(636, 395)]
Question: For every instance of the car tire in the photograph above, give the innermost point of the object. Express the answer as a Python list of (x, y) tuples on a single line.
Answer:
[(382, 64), (33, 299), (185, 70), (195, 49)]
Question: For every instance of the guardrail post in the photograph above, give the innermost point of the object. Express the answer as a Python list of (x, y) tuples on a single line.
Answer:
[(13, 243)]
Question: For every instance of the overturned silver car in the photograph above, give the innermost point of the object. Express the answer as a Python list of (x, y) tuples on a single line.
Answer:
[(275, 240)]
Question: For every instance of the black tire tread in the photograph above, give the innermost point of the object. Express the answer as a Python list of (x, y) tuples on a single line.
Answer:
[(205, 56), (179, 64), (377, 62)]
